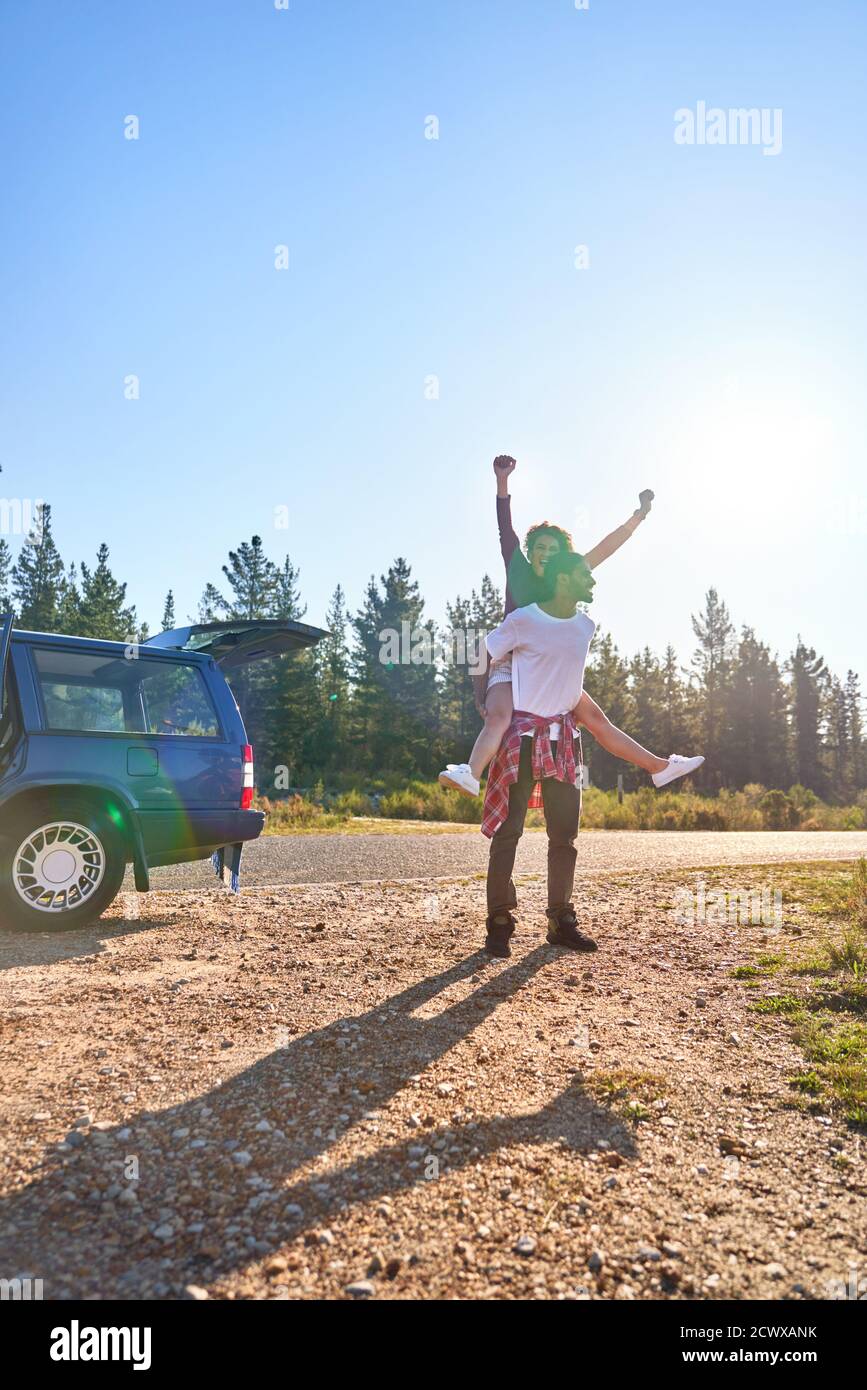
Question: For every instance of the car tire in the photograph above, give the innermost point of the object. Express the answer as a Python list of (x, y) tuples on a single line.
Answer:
[(60, 867)]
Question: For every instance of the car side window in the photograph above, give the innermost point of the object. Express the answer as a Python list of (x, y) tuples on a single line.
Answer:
[(176, 701), (81, 691), (94, 692)]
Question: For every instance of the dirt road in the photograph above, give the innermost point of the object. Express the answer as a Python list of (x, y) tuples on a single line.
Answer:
[(426, 854), (327, 1091)]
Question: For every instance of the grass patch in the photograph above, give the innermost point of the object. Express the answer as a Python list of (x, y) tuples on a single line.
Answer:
[(850, 952), (809, 1082), (764, 966), (629, 1093), (829, 1020), (778, 1004), (828, 1041)]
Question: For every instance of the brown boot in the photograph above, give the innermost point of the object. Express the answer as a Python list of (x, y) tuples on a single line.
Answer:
[(500, 927), (563, 930)]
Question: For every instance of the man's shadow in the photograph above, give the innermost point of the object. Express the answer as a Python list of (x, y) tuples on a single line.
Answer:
[(279, 1115)]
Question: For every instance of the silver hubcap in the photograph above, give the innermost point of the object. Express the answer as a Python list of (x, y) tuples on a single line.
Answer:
[(58, 867)]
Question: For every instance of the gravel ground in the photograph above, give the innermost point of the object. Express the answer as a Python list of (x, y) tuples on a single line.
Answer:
[(329, 1092), (330, 858)]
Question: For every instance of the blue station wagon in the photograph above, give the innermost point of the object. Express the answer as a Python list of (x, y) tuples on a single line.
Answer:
[(113, 754)]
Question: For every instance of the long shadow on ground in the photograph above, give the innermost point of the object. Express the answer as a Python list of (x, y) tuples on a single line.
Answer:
[(234, 1197)]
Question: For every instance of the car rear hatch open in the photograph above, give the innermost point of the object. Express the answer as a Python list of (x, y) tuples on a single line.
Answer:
[(233, 644)]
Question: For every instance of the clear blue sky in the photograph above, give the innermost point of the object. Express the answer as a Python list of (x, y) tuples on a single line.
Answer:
[(714, 349)]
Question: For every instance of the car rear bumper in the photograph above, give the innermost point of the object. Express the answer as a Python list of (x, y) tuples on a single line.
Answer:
[(174, 839)]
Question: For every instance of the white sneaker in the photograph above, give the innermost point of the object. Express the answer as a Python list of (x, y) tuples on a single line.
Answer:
[(459, 776), (677, 767)]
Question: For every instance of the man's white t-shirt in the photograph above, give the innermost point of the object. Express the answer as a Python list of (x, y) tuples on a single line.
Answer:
[(548, 658)]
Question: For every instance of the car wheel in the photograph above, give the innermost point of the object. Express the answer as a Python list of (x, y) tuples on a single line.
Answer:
[(59, 868)]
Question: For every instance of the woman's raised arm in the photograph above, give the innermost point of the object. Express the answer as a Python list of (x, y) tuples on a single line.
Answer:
[(618, 537)]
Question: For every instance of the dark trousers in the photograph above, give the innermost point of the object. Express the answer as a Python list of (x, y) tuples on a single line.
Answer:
[(562, 806)]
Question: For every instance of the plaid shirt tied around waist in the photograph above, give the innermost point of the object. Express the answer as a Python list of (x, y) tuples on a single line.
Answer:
[(504, 768)]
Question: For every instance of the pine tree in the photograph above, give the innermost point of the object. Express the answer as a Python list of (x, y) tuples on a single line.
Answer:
[(648, 726), (757, 745), (212, 605), (37, 577), (331, 665), (169, 613), (397, 695), (808, 679), (607, 682), (252, 579), (284, 601), (288, 691), (712, 664), (102, 610), (69, 605), (486, 606), (838, 757), (855, 719), (366, 683), (460, 719), (673, 721), (468, 622)]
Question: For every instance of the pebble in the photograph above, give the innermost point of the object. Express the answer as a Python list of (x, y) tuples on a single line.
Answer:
[(524, 1245), (729, 1144), (362, 1288)]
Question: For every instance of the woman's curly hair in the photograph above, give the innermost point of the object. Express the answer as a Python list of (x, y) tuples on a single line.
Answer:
[(547, 528)]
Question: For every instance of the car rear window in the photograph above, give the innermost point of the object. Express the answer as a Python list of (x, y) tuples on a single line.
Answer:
[(176, 700), (97, 693)]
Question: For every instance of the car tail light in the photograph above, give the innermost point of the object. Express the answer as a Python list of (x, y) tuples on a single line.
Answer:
[(247, 782)]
